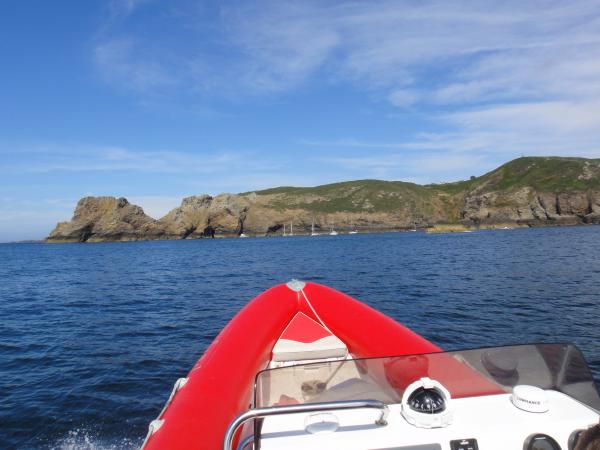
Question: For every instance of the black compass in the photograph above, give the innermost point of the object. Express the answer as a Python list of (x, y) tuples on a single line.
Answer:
[(427, 401)]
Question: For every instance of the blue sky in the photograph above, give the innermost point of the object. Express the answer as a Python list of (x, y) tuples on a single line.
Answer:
[(157, 100)]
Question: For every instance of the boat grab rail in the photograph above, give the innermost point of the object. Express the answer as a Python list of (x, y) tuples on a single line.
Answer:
[(258, 413)]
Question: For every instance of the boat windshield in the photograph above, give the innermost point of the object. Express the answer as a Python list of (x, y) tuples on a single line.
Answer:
[(465, 373)]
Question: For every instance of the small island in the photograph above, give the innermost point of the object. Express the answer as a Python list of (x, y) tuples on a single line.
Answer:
[(526, 192)]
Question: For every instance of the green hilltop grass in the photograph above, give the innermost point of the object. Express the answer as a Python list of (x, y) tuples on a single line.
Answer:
[(350, 196), (544, 174), (548, 174)]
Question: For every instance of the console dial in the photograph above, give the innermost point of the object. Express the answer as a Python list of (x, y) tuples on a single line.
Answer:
[(540, 442), (427, 400), (427, 404)]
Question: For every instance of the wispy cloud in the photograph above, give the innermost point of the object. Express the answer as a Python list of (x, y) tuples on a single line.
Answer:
[(472, 49), (440, 167), (121, 9), (487, 139), (562, 117), (500, 72), (82, 158), (404, 97), (264, 179), (121, 62), (463, 53), (355, 143)]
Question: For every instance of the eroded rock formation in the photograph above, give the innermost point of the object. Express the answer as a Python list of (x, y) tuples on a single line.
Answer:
[(527, 206), (106, 219)]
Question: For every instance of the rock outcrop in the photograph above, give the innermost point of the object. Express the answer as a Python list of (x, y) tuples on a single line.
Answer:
[(99, 219), (529, 207), (202, 216), (524, 192), (189, 219), (106, 219)]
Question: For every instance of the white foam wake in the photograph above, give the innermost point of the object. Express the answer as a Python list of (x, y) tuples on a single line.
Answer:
[(86, 440)]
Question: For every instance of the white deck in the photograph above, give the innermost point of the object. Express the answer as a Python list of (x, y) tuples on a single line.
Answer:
[(493, 420)]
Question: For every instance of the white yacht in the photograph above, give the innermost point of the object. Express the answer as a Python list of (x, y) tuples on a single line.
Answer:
[(352, 229)]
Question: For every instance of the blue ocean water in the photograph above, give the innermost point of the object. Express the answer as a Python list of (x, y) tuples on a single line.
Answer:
[(93, 336)]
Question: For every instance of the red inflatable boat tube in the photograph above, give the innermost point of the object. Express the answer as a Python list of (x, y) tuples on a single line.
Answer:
[(220, 385)]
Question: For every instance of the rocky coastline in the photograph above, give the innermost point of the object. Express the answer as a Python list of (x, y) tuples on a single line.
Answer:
[(527, 192)]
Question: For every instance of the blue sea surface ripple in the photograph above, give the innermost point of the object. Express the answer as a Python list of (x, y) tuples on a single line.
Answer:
[(93, 336)]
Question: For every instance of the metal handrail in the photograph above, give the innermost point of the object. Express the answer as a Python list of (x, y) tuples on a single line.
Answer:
[(304, 408), (245, 442)]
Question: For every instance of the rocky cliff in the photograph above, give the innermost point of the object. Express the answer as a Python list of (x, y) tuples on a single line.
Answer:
[(106, 219), (202, 216), (523, 192), (535, 192)]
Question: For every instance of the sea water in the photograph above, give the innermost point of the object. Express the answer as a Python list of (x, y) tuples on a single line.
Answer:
[(93, 336)]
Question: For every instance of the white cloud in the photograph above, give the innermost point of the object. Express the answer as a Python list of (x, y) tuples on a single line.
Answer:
[(488, 138), (123, 62), (403, 97), (492, 80), (557, 117), (419, 168), (387, 43), (433, 51), (82, 158), (125, 6), (265, 179), (355, 143), (283, 43)]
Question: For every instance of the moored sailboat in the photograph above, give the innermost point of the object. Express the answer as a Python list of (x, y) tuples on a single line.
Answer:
[(352, 228), (333, 232)]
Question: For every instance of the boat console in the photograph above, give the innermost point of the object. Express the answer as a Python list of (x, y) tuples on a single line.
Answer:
[(531, 397)]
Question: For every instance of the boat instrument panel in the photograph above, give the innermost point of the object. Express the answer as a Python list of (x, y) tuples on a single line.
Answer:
[(491, 422), (530, 397)]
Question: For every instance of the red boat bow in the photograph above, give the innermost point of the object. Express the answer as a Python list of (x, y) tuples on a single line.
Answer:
[(220, 385)]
